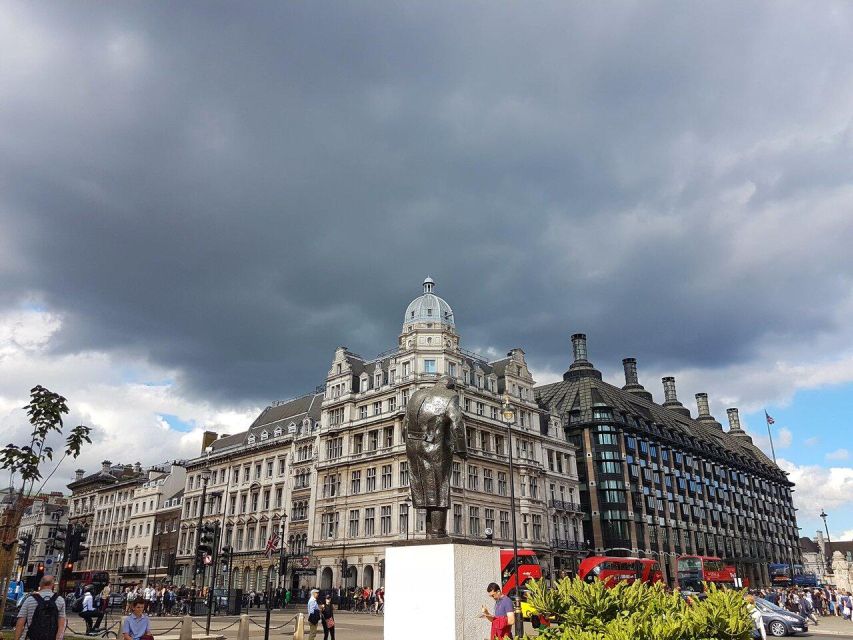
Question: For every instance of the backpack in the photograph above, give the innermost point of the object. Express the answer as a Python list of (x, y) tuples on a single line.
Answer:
[(77, 605), (45, 622)]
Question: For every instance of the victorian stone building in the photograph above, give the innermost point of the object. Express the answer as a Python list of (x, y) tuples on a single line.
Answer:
[(659, 483), (362, 502), (164, 482), (41, 521), (101, 504), (247, 484)]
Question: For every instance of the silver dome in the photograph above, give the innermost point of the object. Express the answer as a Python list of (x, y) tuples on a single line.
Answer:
[(428, 307)]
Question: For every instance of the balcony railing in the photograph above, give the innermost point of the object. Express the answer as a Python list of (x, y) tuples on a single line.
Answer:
[(564, 505), (133, 569), (568, 545)]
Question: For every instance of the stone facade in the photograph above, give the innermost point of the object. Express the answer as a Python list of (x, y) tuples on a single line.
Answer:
[(41, 520)]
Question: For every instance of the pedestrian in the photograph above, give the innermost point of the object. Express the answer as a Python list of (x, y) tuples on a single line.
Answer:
[(137, 623), (90, 611), (42, 614), (105, 597), (757, 620), (327, 612), (503, 618), (287, 597), (313, 614), (807, 607)]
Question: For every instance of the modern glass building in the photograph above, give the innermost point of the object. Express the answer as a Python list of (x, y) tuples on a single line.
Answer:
[(658, 482)]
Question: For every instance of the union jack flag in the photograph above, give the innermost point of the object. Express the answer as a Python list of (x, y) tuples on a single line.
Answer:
[(770, 420), (272, 544)]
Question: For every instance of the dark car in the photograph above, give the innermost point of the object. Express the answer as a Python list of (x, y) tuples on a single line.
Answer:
[(11, 613), (778, 621)]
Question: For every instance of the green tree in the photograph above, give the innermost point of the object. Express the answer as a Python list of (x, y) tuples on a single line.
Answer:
[(44, 411)]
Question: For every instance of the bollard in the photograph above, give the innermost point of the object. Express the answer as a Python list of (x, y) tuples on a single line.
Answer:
[(299, 633), (187, 629), (243, 629)]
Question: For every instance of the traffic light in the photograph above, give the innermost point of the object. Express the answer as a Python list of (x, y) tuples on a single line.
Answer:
[(58, 540), (76, 548), (25, 543), (204, 549)]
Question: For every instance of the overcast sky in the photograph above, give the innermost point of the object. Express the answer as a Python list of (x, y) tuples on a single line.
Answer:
[(199, 201)]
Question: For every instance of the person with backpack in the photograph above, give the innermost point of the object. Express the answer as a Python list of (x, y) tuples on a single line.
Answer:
[(42, 614), (89, 611)]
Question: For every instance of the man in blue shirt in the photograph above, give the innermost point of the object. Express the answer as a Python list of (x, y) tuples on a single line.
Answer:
[(135, 625), (313, 614), (503, 619)]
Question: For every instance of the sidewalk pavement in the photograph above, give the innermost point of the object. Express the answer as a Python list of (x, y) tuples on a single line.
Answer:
[(831, 626)]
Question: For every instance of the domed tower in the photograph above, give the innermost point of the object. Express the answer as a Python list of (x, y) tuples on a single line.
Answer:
[(428, 322)]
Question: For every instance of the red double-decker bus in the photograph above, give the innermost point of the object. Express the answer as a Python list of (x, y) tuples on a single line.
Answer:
[(71, 580), (694, 570), (528, 569), (613, 569)]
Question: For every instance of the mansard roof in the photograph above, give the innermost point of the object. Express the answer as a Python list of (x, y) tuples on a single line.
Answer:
[(583, 392), (279, 414)]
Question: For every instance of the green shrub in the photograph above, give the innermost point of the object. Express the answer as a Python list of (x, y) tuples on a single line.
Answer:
[(584, 611)]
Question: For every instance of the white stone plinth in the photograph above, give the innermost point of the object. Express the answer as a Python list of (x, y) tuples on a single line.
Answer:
[(435, 591)]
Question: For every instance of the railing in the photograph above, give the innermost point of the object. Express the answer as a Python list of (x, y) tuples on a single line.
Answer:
[(131, 569), (564, 505), (568, 545)]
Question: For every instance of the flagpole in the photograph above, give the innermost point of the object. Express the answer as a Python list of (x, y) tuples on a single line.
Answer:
[(770, 435)]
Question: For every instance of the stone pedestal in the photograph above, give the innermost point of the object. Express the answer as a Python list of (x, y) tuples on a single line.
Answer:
[(434, 590)]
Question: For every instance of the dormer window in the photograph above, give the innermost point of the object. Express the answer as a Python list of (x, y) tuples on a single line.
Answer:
[(291, 428), (252, 439), (278, 431), (264, 434), (429, 312)]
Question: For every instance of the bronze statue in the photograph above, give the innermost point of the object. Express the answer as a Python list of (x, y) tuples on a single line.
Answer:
[(434, 432)]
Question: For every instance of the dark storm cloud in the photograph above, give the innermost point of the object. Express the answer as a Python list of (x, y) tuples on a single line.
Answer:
[(236, 191)]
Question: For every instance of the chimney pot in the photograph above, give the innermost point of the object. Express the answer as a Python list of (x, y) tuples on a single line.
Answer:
[(734, 419), (78, 474), (702, 405), (579, 347), (669, 393), (105, 466), (630, 367)]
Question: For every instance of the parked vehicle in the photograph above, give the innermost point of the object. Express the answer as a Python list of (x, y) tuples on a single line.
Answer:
[(528, 569), (693, 571), (780, 622), (614, 569)]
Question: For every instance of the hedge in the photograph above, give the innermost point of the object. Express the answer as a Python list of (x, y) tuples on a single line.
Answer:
[(589, 611)]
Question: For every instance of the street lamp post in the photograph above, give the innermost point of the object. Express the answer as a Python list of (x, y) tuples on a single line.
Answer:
[(508, 413), (823, 516), (282, 556)]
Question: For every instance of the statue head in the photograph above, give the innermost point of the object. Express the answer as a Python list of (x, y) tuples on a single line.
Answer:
[(447, 381)]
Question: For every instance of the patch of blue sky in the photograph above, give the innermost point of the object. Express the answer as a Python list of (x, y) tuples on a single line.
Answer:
[(177, 423), (821, 421)]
